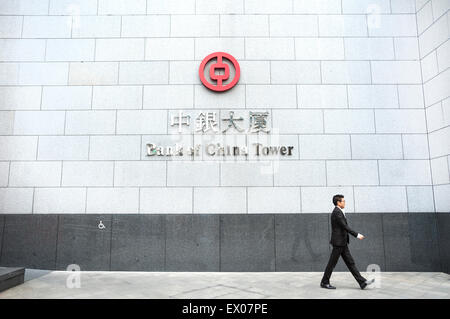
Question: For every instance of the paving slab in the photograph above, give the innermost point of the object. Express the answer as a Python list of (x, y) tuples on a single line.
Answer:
[(223, 285)]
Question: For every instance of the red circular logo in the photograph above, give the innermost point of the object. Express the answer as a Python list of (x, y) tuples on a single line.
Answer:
[(220, 82)]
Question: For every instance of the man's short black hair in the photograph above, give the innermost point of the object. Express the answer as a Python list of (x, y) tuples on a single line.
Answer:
[(337, 198)]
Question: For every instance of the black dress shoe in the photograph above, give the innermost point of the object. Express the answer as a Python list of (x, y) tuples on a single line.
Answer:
[(327, 286), (366, 283)]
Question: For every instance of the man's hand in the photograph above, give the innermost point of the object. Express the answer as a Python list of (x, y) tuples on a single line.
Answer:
[(360, 237)]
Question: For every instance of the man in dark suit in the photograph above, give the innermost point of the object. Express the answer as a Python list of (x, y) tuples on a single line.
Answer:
[(340, 241)]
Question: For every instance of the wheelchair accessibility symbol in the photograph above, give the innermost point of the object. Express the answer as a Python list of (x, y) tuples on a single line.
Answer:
[(218, 68)]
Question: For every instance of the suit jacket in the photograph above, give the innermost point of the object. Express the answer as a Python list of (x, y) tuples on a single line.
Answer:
[(340, 229)]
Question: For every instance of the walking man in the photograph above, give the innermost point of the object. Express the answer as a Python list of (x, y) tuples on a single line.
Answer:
[(340, 241)]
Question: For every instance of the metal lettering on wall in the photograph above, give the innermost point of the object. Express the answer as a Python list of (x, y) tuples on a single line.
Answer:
[(207, 124)]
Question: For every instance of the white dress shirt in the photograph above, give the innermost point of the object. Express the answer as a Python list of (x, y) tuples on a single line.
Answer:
[(343, 211)]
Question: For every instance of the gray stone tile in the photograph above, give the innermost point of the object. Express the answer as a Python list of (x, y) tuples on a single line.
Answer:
[(29, 241), (302, 242), (81, 242), (247, 242), (424, 245), (137, 243), (443, 222), (369, 250), (192, 242)]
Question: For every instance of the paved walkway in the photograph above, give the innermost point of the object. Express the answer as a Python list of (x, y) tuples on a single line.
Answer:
[(246, 285)]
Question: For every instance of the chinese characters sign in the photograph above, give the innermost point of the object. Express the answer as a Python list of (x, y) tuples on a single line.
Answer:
[(209, 122)]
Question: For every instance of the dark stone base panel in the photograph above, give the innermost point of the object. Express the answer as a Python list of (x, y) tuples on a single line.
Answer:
[(83, 243), (137, 243), (192, 243), (443, 224), (29, 241), (424, 243), (411, 242), (221, 242), (247, 242)]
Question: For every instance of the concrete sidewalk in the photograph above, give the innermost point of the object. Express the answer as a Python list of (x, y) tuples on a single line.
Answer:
[(245, 285)]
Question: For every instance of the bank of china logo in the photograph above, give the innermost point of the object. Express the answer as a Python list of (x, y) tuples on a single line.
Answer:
[(219, 71)]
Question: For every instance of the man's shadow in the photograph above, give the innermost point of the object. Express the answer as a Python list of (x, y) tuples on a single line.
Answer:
[(303, 236)]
